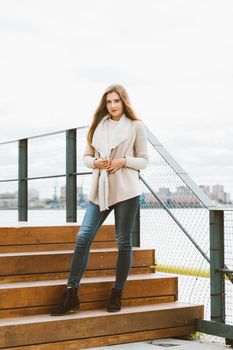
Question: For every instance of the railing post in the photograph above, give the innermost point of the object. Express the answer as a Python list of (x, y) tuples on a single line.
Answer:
[(71, 181), (217, 278), (22, 182)]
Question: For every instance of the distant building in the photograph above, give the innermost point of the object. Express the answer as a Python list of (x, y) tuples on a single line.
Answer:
[(33, 194), (63, 192), (81, 196), (218, 193), (227, 198), (205, 189), (164, 192), (8, 200)]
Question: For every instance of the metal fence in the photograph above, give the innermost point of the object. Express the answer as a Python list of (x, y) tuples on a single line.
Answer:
[(192, 238)]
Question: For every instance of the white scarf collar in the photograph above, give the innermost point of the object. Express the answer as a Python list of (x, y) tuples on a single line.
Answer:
[(103, 144), (101, 141)]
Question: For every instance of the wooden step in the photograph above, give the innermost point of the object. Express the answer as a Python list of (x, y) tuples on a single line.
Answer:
[(89, 328), (59, 261), (111, 339), (39, 297), (52, 247), (39, 238), (64, 275)]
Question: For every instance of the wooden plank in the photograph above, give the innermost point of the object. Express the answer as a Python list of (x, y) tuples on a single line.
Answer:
[(53, 247), (112, 339), (64, 275), (44, 329), (35, 294), (94, 305), (59, 261), (48, 234)]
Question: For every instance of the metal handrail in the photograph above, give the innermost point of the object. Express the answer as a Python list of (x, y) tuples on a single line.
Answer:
[(43, 135), (48, 176)]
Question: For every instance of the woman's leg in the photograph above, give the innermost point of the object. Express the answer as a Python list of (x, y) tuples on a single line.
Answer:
[(125, 213), (92, 221)]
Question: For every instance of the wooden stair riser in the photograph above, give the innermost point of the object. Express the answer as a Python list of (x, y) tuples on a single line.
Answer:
[(97, 324), (64, 275), (111, 339), (15, 299), (94, 305), (13, 236), (42, 262), (53, 247)]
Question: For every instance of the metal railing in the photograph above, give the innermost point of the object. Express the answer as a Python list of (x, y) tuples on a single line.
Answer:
[(192, 237), (70, 173), (195, 234)]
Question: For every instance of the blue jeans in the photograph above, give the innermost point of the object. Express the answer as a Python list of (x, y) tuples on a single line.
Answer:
[(125, 213)]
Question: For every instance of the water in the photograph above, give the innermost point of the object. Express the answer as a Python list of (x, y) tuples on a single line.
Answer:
[(42, 217)]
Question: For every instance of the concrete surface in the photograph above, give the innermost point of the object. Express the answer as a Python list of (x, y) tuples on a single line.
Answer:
[(169, 344)]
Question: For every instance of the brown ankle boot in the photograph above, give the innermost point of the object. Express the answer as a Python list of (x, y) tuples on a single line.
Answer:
[(69, 302), (115, 300)]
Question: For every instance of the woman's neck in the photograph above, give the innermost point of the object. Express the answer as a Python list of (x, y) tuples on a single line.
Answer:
[(116, 118)]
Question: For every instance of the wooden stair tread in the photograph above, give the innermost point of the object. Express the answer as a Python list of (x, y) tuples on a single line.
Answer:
[(96, 313), (90, 325), (53, 246), (103, 279), (64, 275), (65, 252), (15, 264), (49, 234), (20, 299), (28, 226), (87, 326)]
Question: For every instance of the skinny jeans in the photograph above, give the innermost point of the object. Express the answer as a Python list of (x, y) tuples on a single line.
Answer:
[(125, 213)]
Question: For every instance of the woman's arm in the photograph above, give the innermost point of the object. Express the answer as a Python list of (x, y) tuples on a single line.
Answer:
[(90, 161), (89, 157), (141, 159)]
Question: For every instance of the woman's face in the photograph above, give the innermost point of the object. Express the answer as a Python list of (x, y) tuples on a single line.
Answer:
[(114, 105)]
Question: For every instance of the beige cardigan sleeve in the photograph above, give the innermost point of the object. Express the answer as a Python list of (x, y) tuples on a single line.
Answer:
[(89, 157), (140, 159)]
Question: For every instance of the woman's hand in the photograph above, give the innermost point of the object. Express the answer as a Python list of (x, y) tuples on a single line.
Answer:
[(116, 164), (101, 163)]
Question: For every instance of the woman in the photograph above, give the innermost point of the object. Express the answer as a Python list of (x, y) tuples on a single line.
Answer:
[(116, 150)]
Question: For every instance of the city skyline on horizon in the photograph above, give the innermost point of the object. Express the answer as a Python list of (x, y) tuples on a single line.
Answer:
[(215, 193)]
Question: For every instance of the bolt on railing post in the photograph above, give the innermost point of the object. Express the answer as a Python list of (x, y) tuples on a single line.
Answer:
[(71, 181), (217, 278), (22, 182)]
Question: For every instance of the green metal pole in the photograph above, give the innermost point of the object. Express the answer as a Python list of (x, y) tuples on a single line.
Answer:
[(22, 183), (71, 181), (217, 278)]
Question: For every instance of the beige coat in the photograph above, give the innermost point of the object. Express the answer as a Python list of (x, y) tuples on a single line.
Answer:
[(124, 183)]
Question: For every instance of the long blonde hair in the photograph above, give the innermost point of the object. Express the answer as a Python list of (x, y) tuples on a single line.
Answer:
[(102, 111)]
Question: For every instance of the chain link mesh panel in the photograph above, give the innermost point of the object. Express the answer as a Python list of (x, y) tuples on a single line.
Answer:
[(175, 253)]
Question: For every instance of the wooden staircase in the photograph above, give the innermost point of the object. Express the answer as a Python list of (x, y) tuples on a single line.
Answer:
[(34, 265)]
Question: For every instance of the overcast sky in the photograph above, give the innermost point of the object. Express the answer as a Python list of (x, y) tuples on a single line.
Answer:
[(175, 58)]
